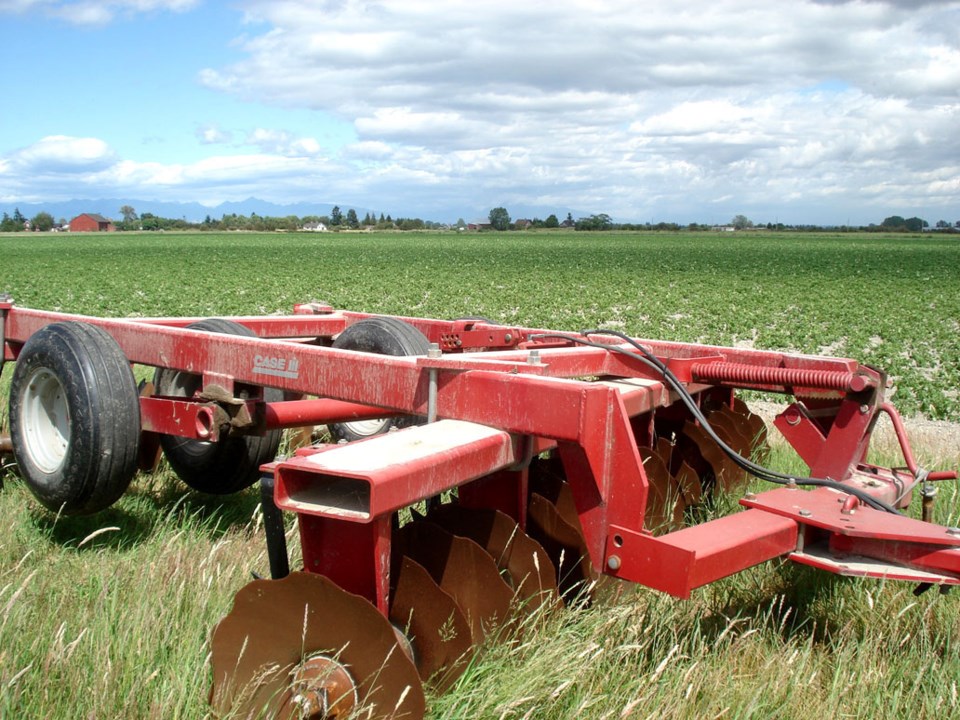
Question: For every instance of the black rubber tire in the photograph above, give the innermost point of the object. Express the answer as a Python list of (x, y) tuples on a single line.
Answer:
[(74, 418), (231, 464), (382, 336)]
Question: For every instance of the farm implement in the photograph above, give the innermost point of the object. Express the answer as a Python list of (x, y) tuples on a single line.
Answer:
[(472, 472)]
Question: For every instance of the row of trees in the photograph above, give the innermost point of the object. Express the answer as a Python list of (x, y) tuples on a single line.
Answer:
[(337, 219), (499, 219), (42, 221)]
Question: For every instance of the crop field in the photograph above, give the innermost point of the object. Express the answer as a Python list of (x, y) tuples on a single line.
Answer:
[(109, 616), (891, 301)]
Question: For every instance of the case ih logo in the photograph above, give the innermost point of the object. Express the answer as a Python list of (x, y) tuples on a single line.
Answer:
[(277, 366)]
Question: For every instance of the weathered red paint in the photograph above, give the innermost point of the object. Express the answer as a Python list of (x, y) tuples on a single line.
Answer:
[(529, 402)]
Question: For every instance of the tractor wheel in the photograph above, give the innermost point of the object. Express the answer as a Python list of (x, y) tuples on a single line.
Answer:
[(231, 464), (74, 418), (382, 336)]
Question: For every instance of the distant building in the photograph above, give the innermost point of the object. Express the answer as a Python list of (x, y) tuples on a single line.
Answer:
[(91, 222), (314, 227)]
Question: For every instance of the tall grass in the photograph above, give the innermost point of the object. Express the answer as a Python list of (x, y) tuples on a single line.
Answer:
[(109, 617)]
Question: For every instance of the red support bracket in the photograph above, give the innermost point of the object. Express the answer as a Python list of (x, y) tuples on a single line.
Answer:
[(681, 561), (197, 421), (824, 508), (842, 536)]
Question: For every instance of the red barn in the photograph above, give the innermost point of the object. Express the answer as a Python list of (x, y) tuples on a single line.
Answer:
[(91, 222)]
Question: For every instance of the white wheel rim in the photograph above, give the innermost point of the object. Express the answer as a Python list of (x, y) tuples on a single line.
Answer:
[(46, 421), (366, 428)]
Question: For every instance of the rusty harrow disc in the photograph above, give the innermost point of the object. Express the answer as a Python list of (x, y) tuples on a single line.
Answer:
[(464, 570), (436, 627), (302, 647), (522, 561), (695, 465), (552, 521), (665, 502)]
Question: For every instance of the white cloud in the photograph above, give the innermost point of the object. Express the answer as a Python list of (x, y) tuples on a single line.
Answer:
[(281, 142), (642, 108), (213, 135), (88, 167), (60, 153), (812, 111)]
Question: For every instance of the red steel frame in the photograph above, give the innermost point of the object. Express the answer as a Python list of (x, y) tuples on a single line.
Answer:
[(532, 393)]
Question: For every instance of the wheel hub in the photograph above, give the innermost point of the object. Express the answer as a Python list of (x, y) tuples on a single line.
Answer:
[(46, 420), (321, 689)]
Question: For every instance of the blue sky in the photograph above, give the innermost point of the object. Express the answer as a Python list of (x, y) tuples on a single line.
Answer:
[(810, 111)]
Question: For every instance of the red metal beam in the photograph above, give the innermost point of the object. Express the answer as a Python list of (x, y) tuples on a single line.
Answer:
[(372, 478), (681, 561), (300, 413)]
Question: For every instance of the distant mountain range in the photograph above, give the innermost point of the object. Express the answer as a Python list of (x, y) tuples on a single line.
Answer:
[(190, 211)]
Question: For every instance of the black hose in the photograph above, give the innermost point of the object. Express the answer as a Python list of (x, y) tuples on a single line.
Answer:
[(652, 361)]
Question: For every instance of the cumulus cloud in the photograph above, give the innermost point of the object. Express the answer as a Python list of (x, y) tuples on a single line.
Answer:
[(60, 153), (89, 167), (281, 142), (638, 107), (816, 110)]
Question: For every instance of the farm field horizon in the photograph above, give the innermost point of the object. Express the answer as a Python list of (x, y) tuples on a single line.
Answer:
[(110, 615), (891, 301)]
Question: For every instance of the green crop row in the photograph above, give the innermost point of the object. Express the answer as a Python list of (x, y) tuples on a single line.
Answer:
[(890, 301)]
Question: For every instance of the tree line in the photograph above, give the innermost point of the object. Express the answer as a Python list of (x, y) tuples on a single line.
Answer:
[(499, 220)]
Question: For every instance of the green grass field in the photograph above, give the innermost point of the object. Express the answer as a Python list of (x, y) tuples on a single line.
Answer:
[(109, 616), (889, 300)]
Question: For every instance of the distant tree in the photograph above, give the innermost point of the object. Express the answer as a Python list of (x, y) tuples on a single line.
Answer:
[(7, 224), (352, 220), (460, 224), (551, 221), (336, 217), (595, 222), (410, 224), (149, 221), (42, 221), (741, 222), (129, 214), (894, 222), (499, 218), (916, 224)]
